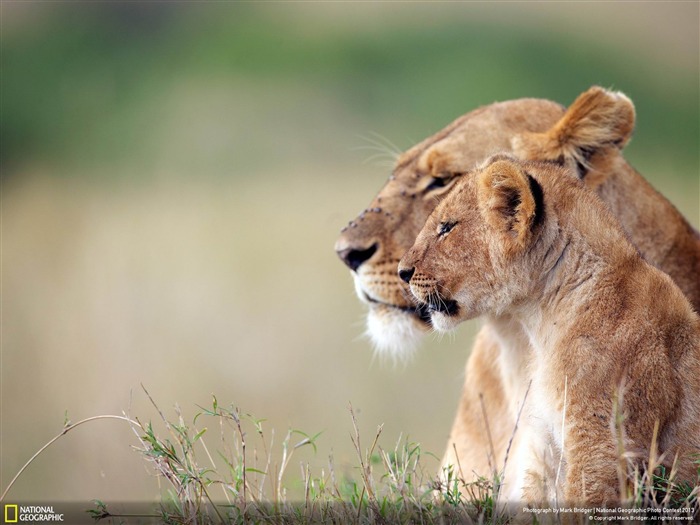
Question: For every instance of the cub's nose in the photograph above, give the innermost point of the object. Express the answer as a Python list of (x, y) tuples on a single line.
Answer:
[(406, 274), (354, 257)]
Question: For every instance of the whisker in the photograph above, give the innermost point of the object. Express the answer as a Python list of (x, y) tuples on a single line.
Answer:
[(411, 298), (379, 155), (441, 297), (386, 151), (381, 140)]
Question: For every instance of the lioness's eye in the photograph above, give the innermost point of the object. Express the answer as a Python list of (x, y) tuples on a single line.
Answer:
[(439, 182), (446, 227)]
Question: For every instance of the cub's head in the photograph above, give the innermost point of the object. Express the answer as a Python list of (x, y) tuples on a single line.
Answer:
[(486, 244), (372, 244)]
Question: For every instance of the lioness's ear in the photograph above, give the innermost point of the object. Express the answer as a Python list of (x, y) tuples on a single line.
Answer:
[(598, 120), (510, 201)]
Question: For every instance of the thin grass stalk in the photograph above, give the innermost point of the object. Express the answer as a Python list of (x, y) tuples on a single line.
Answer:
[(63, 432)]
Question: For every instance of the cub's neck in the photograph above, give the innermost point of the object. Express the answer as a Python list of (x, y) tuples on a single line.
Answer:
[(586, 266)]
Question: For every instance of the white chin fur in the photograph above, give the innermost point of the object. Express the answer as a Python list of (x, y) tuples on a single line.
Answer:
[(442, 322), (394, 334)]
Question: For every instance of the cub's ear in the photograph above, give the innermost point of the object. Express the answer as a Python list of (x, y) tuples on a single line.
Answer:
[(511, 202), (598, 120)]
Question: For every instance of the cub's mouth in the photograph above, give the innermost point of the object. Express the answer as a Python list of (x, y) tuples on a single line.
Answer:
[(420, 311), (442, 305)]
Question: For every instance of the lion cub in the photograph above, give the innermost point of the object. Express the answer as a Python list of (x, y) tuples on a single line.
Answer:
[(608, 330)]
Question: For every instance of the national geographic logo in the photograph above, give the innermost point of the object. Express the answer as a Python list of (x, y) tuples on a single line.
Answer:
[(31, 514), (10, 513)]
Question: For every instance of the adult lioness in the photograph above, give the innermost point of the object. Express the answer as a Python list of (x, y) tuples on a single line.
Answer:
[(588, 135), (528, 240)]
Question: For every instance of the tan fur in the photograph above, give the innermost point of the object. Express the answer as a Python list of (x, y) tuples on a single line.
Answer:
[(605, 327), (605, 121), (597, 118), (494, 383), (518, 225)]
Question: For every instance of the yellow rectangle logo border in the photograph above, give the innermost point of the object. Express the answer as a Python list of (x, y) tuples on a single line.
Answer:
[(7, 517)]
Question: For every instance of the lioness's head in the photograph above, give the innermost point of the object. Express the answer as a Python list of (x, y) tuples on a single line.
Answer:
[(587, 137), (372, 244), (488, 244)]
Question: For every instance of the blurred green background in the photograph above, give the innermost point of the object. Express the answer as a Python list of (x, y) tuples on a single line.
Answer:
[(174, 176)]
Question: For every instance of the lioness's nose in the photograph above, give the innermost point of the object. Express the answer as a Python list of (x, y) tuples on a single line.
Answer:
[(406, 274), (354, 257)]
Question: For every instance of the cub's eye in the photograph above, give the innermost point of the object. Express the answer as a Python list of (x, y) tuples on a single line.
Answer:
[(439, 182), (446, 227)]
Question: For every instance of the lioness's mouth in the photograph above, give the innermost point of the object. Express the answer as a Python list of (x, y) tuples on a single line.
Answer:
[(421, 310)]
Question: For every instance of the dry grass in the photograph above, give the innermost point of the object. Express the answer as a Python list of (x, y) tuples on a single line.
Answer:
[(226, 466)]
